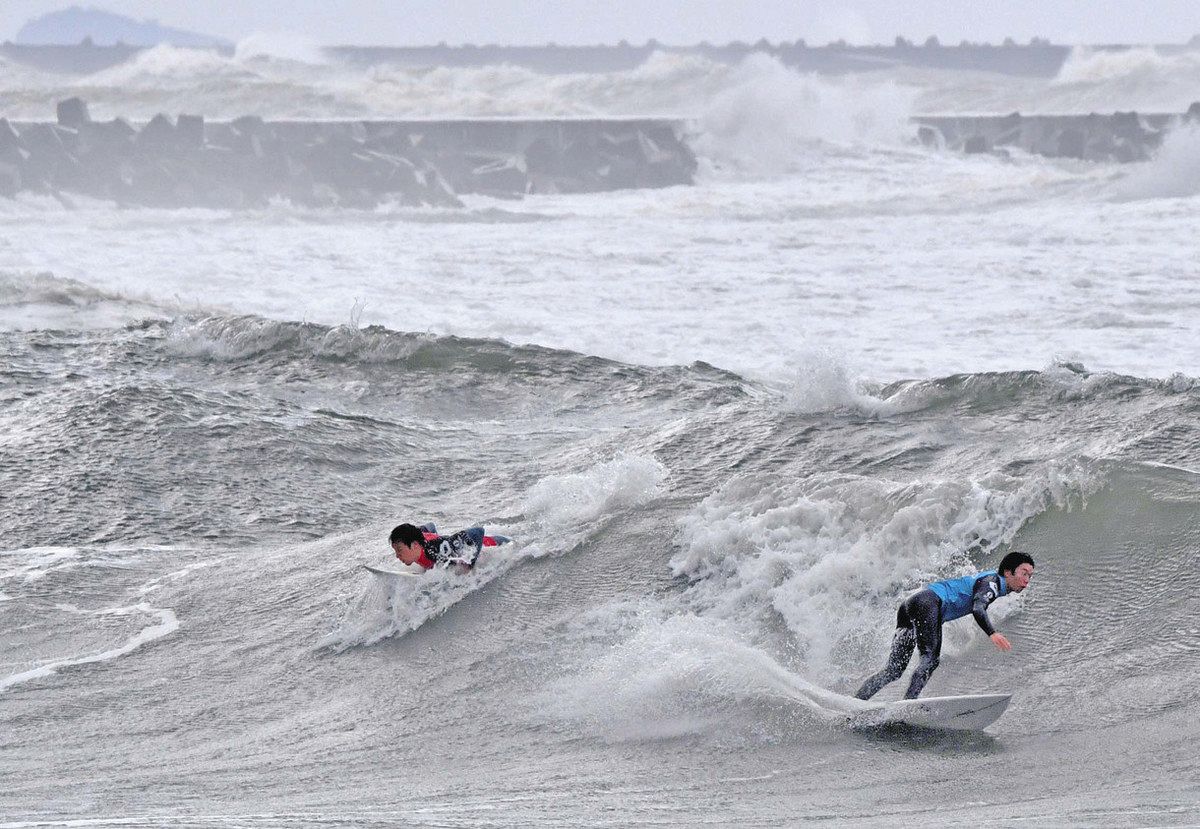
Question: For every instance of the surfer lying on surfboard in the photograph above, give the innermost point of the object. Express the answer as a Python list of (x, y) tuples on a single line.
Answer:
[(423, 546), (920, 617)]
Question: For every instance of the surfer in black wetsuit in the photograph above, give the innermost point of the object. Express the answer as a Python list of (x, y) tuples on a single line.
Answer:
[(423, 546), (920, 617)]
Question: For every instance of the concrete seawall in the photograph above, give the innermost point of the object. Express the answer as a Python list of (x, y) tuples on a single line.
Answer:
[(1121, 137), (188, 162)]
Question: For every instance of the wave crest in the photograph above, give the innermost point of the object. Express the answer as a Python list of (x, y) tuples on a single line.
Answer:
[(765, 116), (1174, 172)]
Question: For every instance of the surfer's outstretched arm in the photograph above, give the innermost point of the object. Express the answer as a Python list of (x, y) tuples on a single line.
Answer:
[(986, 591)]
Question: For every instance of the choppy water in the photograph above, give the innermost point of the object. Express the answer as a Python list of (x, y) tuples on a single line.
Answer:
[(730, 426)]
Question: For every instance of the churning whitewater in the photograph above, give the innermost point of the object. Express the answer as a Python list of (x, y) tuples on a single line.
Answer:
[(728, 426)]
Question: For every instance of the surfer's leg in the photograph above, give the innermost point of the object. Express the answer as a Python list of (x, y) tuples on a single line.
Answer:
[(926, 612), (903, 643)]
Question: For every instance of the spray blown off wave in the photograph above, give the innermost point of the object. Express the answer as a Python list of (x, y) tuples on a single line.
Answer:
[(1174, 172), (766, 111), (757, 109), (819, 554), (1142, 79), (279, 79), (1139, 65)]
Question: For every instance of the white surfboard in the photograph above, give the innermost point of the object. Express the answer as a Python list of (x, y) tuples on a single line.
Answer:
[(964, 713), (380, 571)]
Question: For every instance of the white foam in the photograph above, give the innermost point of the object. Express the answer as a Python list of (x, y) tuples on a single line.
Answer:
[(227, 339), (565, 501), (289, 76), (1173, 172), (1074, 382), (831, 555), (162, 65), (1172, 467), (1140, 78), (565, 508), (766, 115), (1180, 382), (290, 46), (31, 301), (32, 563), (664, 85), (167, 624), (681, 675), (386, 607), (1143, 79), (279, 76), (823, 382), (862, 256), (1144, 63)]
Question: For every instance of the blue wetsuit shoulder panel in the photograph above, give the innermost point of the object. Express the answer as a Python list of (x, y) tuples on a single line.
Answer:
[(970, 594)]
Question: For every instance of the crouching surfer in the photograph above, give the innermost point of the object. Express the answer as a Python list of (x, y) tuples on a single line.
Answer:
[(423, 546), (920, 617)]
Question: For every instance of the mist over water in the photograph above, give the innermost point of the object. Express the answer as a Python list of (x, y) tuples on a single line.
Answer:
[(729, 427), (288, 77)]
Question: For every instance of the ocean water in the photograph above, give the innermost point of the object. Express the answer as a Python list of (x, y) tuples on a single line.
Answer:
[(729, 427)]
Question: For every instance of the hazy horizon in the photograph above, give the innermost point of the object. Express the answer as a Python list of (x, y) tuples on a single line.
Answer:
[(673, 22)]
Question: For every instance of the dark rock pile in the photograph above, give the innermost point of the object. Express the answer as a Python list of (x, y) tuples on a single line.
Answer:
[(188, 162), (1122, 136)]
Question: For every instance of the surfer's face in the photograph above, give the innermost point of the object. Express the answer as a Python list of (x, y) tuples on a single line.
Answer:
[(407, 553), (1018, 579)]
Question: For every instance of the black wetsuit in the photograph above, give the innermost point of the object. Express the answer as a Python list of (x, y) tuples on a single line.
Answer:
[(461, 548), (919, 625)]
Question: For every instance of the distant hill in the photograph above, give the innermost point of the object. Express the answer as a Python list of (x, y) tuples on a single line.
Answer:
[(75, 25)]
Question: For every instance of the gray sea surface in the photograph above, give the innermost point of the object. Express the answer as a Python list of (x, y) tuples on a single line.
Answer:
[(190, 640), (729, 428)]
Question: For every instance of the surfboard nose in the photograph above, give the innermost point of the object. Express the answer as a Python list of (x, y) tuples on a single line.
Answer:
[(970, 712)]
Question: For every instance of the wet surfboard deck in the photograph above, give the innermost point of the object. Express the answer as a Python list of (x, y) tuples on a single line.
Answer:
[(971, 712), (383, 571)]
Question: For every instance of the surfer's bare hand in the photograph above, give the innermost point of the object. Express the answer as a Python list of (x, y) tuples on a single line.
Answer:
[(999, 641)]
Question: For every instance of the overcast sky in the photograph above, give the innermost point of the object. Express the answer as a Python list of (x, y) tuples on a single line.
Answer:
[(410, 22)]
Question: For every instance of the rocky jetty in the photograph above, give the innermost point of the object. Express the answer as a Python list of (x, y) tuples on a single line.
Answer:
[(188, 162), (1121, 137)]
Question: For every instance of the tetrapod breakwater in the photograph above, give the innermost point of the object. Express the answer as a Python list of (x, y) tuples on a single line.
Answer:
[(186, 161), (1115, 137)]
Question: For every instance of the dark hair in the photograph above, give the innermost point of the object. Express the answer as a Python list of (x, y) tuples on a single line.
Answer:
[(1012, 561), (406, 534)]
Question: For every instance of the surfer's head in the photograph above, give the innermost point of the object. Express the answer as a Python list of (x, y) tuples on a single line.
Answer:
[(406, 542), (1016, 569)]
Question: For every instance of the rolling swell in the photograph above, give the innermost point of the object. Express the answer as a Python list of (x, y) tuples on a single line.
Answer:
[(235, 427), (230, 420)]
